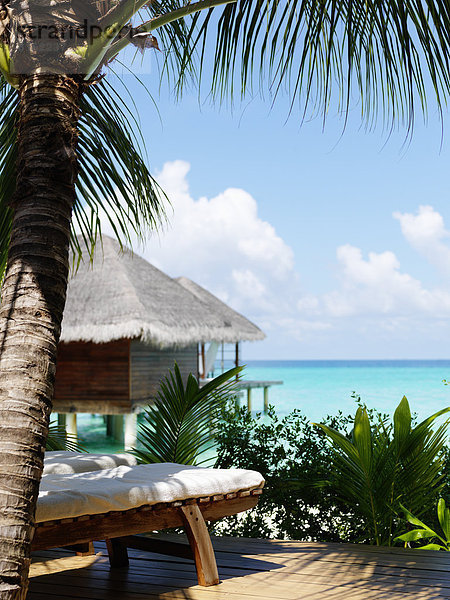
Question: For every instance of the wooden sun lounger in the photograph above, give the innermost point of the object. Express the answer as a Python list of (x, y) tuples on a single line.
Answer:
[(119, 529)]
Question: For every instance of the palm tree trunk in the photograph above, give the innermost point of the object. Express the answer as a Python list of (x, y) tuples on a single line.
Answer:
[(33, 300)]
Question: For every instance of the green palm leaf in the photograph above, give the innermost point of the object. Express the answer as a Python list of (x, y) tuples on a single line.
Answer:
[(383, 465), (389, 52), (114, 176), (419, 462), (179, 426), (425, 532), (385, 53), (59, 439)]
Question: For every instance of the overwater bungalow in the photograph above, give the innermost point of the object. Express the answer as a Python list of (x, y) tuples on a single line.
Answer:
[(125, 324)]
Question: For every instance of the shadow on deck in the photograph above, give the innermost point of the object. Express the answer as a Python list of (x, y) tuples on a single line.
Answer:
[(248, 568)]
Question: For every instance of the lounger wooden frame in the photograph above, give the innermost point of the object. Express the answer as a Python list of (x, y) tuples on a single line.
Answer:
[(119, 529)]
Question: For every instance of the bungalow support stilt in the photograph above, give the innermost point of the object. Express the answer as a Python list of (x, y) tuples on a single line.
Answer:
[(130, 431), (118, 428), (109, 425), (71, 424)]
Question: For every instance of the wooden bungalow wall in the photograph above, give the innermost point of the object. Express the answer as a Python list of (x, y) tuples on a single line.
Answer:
[(92, 378), (149, 365), (113, 378)]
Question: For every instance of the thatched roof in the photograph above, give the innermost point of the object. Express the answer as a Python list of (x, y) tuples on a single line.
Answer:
[(231, 319), (121, 295)]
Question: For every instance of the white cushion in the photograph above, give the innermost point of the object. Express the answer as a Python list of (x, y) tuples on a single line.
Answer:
[(62, 461), (123, 488)]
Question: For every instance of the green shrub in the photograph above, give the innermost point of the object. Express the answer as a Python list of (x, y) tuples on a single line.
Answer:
[(304, 496), (349, 490), (298, 501), (384, 464)]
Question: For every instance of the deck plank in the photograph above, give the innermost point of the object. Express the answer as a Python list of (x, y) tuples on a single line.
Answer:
[(249, 569), (316, 569)]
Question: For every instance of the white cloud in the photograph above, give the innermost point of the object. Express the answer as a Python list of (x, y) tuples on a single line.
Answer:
[(426, 232), (308, 304), (376, 285), (218, 232), (249, 284), (223, 244)]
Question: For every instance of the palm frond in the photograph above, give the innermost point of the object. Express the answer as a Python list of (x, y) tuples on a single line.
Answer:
[(59, 439), (179, 426), (384, 465), (390, 55), (425, 532), (114, 175), (176, 62)]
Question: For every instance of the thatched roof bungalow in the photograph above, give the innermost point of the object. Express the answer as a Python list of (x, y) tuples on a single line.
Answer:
[(235, 326), (125, 324)]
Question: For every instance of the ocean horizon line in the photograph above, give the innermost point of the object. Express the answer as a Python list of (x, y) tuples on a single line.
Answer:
[(375, 362)]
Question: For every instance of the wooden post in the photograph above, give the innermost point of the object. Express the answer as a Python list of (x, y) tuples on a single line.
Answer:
[(249, 399), (202, 350), (266, 399), (118, 428), (117, 553), (200, 541), (84, 549), (130, 431), (109, 425), (71, 423)]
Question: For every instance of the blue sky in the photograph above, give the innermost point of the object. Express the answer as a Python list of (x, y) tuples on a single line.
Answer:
[(317, 237)]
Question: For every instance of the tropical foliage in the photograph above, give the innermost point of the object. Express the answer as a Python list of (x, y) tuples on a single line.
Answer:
[(303, 496), (423, 532), (179, 427), (383, 465), (59, 439), (298, 501), (113, 175)]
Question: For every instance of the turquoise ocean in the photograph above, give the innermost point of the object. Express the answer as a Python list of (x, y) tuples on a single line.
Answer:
[(322, 387)]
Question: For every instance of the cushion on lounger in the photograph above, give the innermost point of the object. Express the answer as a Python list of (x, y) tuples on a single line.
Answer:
[(61, 461), (123, 488)]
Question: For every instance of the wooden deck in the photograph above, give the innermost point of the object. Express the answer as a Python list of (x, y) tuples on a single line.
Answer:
[(249, 569)]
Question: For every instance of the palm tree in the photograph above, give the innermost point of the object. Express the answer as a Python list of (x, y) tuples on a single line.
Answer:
[(65, 140)]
